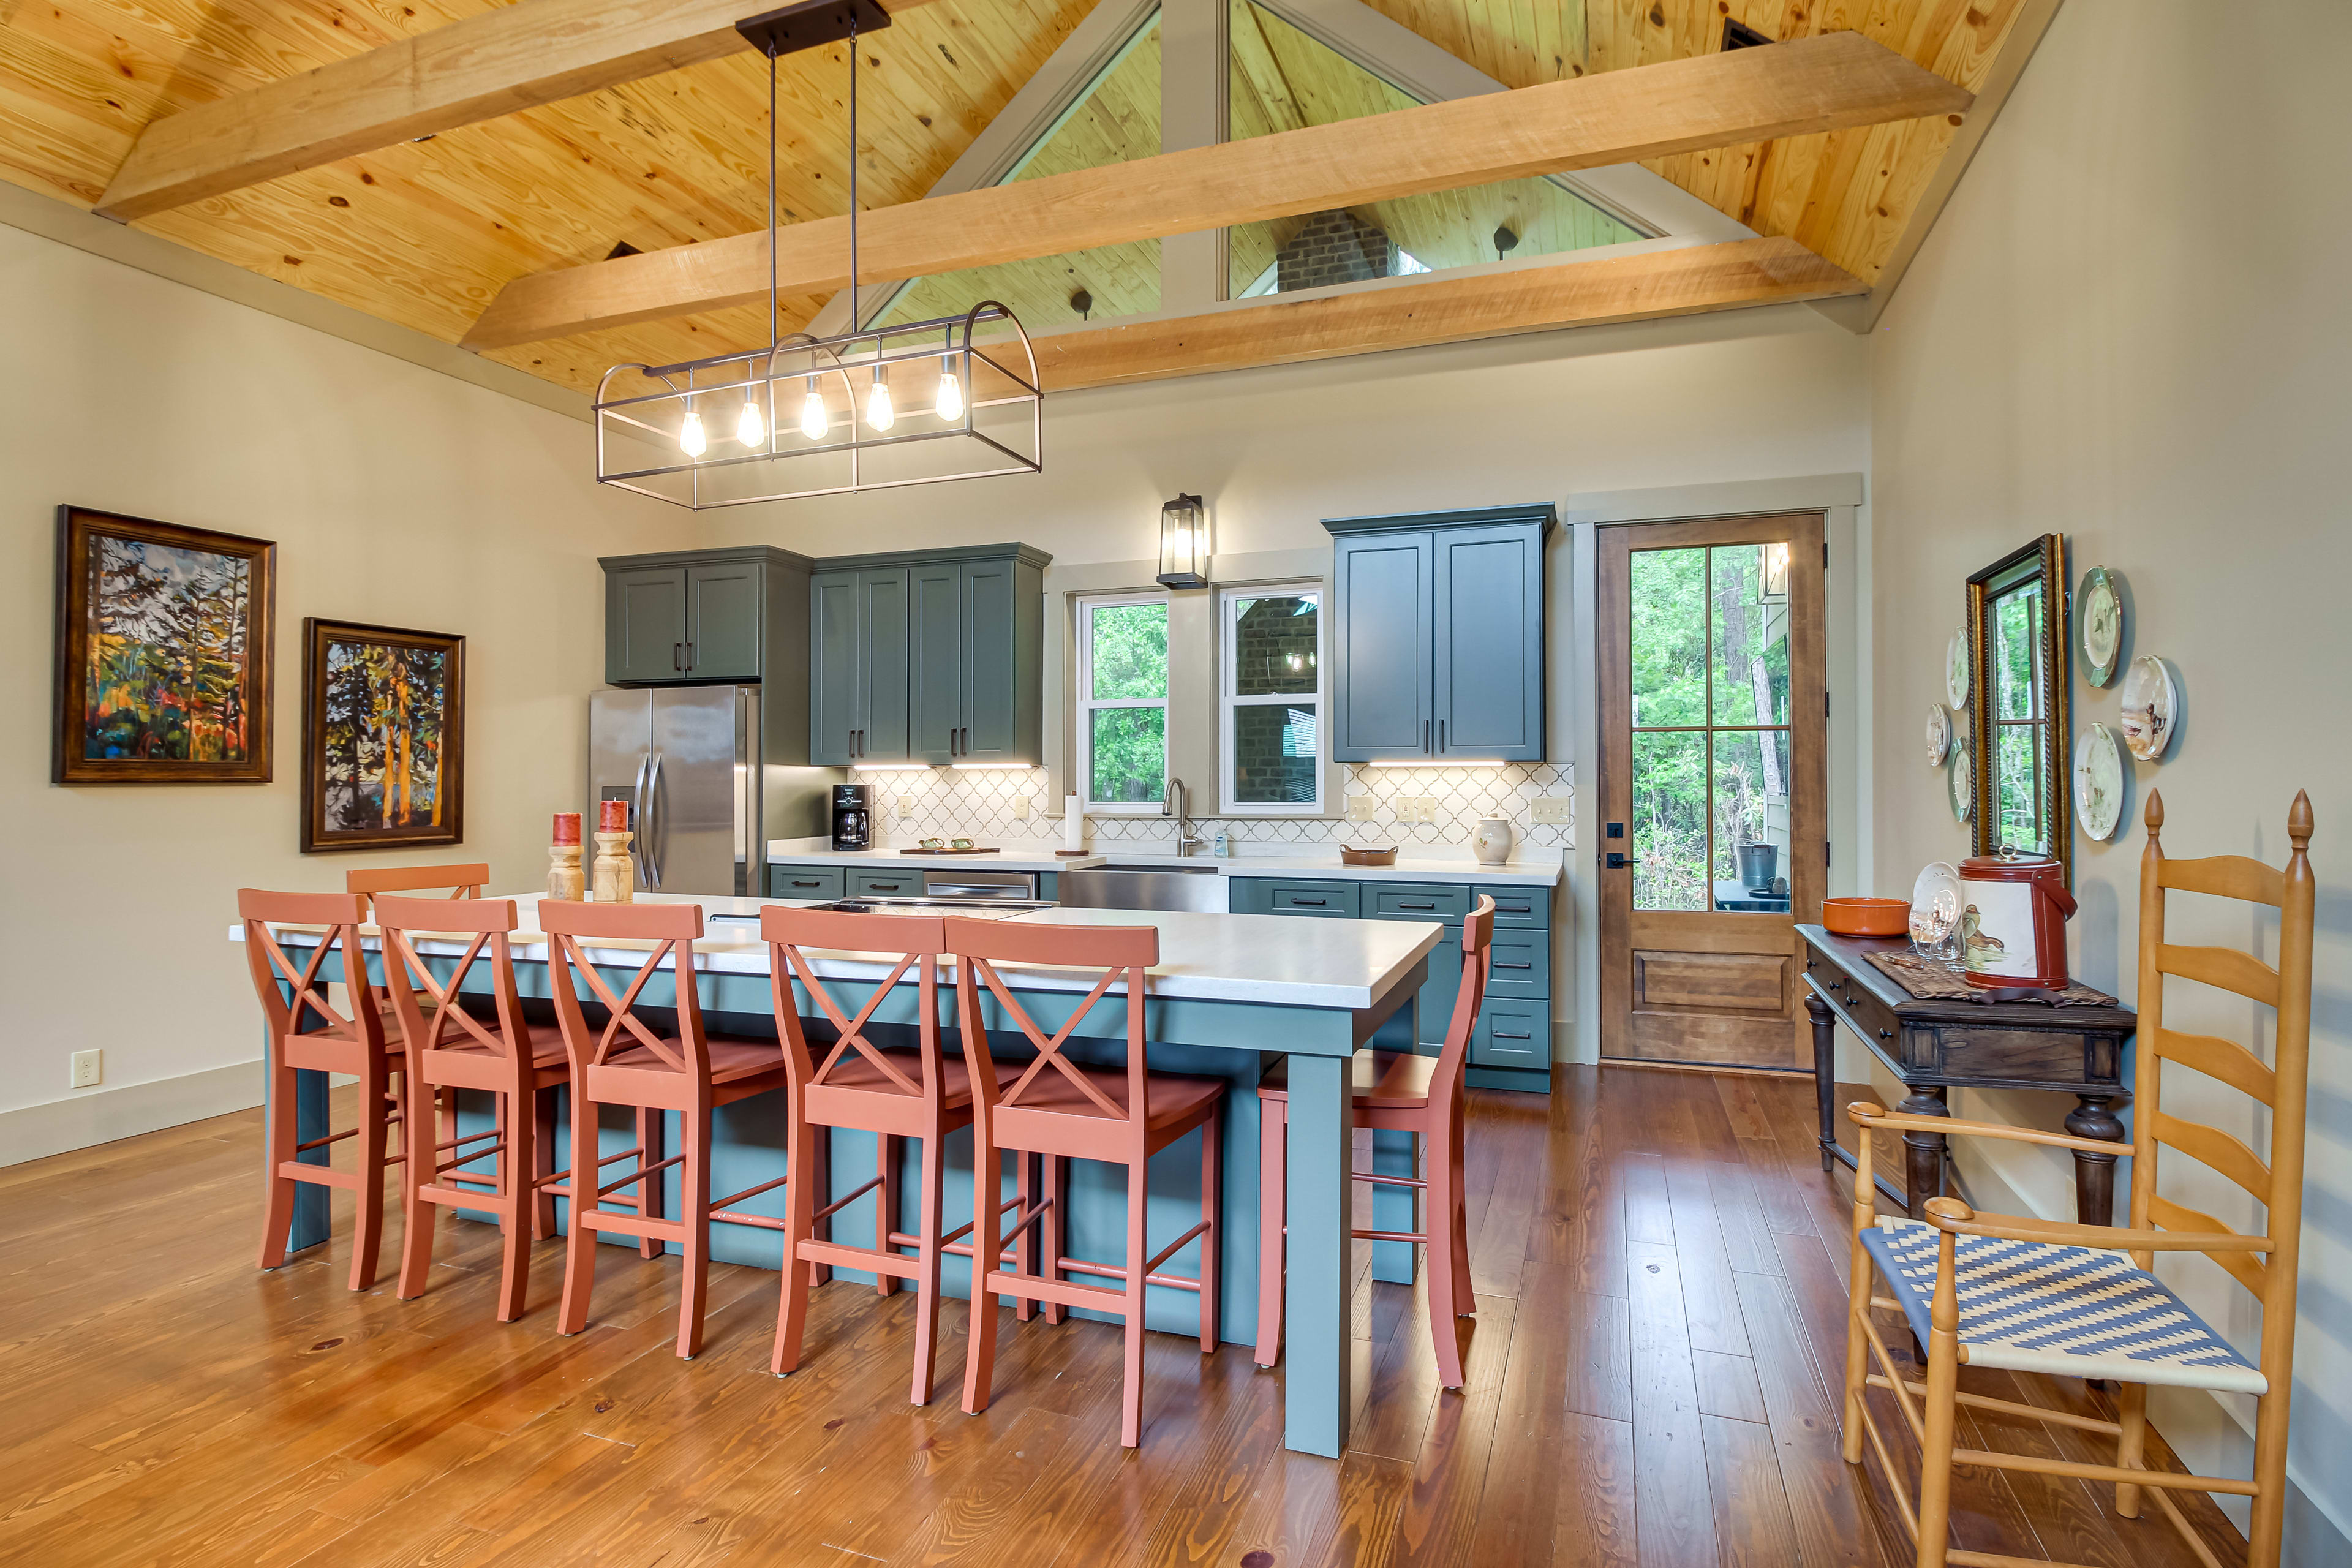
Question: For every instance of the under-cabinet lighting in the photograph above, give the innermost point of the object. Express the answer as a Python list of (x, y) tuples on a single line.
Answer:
[(1434, 762), (987, 767), (890, 767)]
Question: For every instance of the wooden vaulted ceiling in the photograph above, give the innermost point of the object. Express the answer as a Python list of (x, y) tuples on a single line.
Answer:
[(426, 234)]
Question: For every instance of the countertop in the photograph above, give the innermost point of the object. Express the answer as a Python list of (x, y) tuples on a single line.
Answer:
[(1539, 869), (1269, 959)]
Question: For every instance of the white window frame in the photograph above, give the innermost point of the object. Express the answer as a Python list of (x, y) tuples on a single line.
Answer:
[(1227, 648), (1084, 606)]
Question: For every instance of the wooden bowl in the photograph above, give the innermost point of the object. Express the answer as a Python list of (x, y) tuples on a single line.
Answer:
[(1866, 917), (1351, 856)]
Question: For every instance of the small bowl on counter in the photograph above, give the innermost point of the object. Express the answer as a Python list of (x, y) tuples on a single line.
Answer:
[(1866, 917), (1349, 855)]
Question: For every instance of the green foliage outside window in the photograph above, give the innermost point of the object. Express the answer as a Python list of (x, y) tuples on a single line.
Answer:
[(1126, 661)]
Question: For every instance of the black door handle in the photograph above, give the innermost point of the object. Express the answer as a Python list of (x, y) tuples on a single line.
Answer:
[(689, 656), (678, 655), (1614, 861), (1416, 906), (1310, 903), (1441, 737), (1501, 965)]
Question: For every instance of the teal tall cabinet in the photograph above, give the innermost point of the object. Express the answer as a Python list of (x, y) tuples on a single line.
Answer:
[(1438, 636)]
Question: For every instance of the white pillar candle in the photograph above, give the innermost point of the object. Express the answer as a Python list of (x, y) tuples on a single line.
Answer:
[(1074, 824)]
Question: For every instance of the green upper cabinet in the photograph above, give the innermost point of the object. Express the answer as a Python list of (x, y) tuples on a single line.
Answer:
[(645, 625), (1438, 636), (722, 620), (933, 657), (702, 616)]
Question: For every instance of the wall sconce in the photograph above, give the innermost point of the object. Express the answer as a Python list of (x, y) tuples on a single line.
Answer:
[(1774, 570), (1183, 543)]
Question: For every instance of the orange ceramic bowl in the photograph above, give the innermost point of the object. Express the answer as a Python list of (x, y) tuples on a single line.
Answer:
[(1867, 917)]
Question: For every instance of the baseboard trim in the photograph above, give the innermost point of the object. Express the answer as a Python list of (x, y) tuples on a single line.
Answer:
[(81, 1120)]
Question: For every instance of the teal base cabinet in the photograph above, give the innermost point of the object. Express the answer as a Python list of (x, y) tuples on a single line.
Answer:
[(818, 882)]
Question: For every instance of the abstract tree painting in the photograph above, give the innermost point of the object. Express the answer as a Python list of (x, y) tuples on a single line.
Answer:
[(164, 641), (384, 731)]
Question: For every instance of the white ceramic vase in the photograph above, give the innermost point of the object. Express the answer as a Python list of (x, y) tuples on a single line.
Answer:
[(1492, 843)]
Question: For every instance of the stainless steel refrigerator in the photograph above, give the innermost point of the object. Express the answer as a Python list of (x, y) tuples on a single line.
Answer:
[(686, 759)]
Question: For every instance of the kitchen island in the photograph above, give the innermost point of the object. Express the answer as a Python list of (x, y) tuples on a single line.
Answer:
[(1229, 992)]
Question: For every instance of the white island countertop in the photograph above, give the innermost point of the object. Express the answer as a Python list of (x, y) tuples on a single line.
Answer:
[(1532, 868)]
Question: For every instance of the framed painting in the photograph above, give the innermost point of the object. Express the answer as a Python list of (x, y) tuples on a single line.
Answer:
[(162, 653), (383, 737)]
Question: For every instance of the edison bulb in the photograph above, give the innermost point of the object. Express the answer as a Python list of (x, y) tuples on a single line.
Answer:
[(949, 404), (814, 422), (689, 435), (749, 428), (878, 412)]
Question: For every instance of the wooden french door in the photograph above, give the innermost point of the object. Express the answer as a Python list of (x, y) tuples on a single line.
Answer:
[(1712, 787)]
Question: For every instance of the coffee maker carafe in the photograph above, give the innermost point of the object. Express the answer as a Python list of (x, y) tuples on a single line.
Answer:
[(852, 816)]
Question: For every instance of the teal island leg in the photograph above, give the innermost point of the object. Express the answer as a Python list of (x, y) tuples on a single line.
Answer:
[(1316, 1342)]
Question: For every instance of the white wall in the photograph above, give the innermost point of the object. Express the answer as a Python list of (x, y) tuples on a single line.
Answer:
[(397, 496), (2131, 327)]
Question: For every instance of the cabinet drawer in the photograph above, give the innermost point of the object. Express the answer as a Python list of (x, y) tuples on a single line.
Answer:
[(1331, 899), (1522, 965), (1512, 1035), (803, 881), (1414, 902), (888, 884), (1520, 908)]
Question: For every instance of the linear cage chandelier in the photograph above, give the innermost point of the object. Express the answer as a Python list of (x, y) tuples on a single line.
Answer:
[(955, 397)]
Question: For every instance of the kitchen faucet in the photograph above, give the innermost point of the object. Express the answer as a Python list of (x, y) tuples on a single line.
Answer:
[(1180, 799)]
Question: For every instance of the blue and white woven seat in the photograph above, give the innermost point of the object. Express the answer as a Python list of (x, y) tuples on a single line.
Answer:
[(2077, 1311)]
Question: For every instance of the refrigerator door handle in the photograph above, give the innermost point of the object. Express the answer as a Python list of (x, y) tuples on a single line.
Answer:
[(637, 815), (653, 800)]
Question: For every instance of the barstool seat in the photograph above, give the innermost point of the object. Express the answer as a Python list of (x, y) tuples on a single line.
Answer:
[(1390, 1080)]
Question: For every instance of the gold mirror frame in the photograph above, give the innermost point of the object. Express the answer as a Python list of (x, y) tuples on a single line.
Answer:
[(2043, 560)]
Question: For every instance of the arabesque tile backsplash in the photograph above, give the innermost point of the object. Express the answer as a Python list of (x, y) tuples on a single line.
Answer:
[(979, 804)]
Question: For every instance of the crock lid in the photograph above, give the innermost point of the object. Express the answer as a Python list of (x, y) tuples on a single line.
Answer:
[(2007, 866)]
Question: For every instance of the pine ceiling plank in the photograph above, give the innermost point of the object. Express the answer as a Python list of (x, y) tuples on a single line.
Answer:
[(489, 65), (1839, 81)]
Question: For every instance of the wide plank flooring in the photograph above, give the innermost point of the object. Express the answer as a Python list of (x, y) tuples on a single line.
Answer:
[(1659, 1269)]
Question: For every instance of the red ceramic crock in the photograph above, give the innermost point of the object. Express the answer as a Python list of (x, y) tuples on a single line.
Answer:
[(2013, 913)]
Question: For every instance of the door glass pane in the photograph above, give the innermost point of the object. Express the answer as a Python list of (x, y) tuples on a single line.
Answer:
[(1274, 647), (2017, 762), (1751, 812), (1129, 751), (1749, 599), (2016, 650), (1273, 753), (1128, 652), (1669, 818), (1669, 642)]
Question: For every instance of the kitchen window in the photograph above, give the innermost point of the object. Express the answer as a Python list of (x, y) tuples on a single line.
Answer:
[(1270, 700), (1123, 702)]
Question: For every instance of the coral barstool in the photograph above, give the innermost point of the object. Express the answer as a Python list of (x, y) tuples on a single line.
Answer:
[(861, 1086), (447, 1050), (1059, 1110), (307, 1033), (632, 1062), (1394, 1092), (466, 881)]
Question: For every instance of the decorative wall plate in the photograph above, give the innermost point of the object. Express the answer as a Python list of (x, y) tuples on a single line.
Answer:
[(1963, 785), (1955, 670), (2151, 706), (1939, 734), (2099, 603), (2098, 781), (1935, 910)]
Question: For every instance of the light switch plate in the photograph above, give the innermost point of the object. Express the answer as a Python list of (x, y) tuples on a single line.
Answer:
[(1020, 809), (1554, 810), (1363, 807)]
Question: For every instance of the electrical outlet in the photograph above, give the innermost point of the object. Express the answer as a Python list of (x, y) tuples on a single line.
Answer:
[(1363, 807), (1020, 809), (88, 1069), (1554, 810), (906, 807)]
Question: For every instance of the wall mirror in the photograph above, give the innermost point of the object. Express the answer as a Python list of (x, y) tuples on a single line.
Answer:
[(2017, 702)]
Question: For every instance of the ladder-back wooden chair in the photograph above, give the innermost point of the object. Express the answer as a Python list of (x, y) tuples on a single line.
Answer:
[(1055, 1108), (448, 1049), (2079, 1301), (631, 1061), (859, 1085), (306, 1032), (464, 881), (1394, 1092)]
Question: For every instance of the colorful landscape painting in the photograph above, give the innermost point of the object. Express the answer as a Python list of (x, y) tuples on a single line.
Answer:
[(383, 727), (163, 649)]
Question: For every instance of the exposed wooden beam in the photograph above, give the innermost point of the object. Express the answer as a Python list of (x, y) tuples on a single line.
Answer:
[(1817, 84), (514, 58)]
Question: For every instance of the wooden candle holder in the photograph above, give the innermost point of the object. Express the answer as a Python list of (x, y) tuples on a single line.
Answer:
[(565, 879), (615, 872)]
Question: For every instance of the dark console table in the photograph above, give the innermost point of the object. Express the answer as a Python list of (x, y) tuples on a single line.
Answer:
[(1935, 1045)]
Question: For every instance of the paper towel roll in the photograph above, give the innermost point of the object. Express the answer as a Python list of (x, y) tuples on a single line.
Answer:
[(1074, 824)]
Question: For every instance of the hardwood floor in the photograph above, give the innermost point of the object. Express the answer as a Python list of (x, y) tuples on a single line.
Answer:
[(1660, 1269)]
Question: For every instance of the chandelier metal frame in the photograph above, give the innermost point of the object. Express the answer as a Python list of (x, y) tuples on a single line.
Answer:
[(755, 374)]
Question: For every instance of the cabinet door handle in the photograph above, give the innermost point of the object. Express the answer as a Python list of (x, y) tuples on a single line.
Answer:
[(678, 655), (1514, 908), (1425, 737), (806, 882), (1506, 1034), (1310, 903), (1416, 906), (1502, 965), (689, 654), (1441, 737)]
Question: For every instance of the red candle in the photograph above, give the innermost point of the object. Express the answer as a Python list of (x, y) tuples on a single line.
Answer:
[(612, 816), (567, 827)]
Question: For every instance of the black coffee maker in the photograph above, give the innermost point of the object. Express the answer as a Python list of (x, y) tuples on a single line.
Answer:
[(852, 816)]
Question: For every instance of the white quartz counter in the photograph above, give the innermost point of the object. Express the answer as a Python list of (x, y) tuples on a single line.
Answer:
[(1534, 870), (1027, 857)]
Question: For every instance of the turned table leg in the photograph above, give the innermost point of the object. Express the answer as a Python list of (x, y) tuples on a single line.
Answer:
[(1924, 1175), (2094, 1175), (1825, 1071)]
